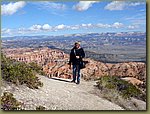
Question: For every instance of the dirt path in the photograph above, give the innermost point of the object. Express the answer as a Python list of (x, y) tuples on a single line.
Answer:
[(61, 95)]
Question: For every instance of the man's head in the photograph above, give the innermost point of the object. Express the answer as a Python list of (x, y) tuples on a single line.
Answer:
[(77, 45)]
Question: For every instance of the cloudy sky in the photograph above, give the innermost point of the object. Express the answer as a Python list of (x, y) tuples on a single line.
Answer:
[(57, 18)]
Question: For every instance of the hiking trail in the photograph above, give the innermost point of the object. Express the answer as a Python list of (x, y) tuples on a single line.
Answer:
[(60, 94)]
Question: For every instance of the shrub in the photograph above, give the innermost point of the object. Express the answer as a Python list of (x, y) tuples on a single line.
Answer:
[(8, 102), (19, 73), (38, 69), (119, 92), (125, 89)]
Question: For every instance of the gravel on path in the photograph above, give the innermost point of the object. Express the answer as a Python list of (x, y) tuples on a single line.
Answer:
[(60, 94)]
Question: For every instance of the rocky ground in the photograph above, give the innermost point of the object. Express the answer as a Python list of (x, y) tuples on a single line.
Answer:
[(60, 94)]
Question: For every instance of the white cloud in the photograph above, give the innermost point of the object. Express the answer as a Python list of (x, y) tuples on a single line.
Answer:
[(115, 5), (83, 25), (89, 25), (59, 27), (132, 26), (37, 28), (46, 27), (51, 5), (100, 25), (117, 25), (136, 3), (84, 5), (11, 8), (6, 31), (121, 5), (75, 27), (21, 31), (86, 25)]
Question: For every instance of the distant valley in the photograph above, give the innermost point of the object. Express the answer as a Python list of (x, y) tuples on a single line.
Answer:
[(105, 47)]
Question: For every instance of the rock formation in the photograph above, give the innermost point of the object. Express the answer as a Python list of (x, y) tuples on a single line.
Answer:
[(55, 64)]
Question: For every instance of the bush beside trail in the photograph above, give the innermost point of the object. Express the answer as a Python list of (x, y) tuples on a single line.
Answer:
[(119, 91), (8, 102), (123, 88), (20, 73)]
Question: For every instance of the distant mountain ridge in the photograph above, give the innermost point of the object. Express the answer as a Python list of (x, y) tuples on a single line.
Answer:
[(135, 34)]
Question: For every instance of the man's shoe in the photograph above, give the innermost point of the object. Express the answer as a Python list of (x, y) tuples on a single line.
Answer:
[(73, 81), (78, 83)]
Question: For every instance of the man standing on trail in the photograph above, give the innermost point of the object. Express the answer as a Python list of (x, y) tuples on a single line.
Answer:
[(76, 55)]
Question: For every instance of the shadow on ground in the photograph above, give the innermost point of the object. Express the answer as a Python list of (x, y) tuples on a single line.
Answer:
[(60, 79)]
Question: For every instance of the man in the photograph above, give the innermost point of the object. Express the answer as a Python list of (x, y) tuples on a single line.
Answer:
[(76, 55)]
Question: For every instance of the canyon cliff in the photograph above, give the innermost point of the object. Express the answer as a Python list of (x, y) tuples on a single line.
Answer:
[(55, 64)]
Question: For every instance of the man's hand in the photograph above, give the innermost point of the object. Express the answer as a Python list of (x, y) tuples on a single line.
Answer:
[(77, 57)]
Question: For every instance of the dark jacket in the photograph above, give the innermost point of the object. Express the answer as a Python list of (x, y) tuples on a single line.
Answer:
[(76, 52)]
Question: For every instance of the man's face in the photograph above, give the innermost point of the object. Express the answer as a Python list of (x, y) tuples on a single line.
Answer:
[(77, 45)]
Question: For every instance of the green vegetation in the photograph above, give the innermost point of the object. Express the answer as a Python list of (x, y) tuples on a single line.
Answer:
[(35, 67), (40, 108), (116, 87), (19, 73), (8, 102), (120, 92)]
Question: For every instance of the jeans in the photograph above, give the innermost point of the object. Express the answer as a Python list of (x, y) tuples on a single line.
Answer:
[(76, 72)]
